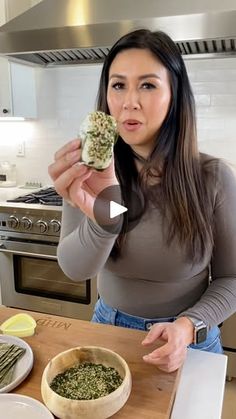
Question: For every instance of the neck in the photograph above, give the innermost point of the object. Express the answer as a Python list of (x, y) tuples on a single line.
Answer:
[(139, 157), (154, 175)]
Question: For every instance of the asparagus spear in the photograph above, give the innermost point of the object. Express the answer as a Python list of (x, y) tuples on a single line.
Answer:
[(9, 355)]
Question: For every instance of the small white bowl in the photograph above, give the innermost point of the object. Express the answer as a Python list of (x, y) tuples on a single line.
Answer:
[(100, 408)]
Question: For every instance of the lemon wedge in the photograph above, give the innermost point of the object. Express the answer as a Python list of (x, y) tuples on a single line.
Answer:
[(20, 325)]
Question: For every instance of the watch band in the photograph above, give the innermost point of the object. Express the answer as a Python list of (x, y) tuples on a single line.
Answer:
[(200, 330)]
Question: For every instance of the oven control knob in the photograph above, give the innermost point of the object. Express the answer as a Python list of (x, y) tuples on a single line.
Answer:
[(42, 226), (26, 223), (56, 226), (13, 221)]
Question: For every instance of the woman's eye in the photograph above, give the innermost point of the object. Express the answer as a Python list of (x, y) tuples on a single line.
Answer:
[(148, 85), (118, 85)]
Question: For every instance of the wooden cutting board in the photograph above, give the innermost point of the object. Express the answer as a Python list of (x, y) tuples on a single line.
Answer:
[(153, 391)]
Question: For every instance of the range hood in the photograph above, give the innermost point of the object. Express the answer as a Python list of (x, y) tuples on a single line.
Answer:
[(61, 32)]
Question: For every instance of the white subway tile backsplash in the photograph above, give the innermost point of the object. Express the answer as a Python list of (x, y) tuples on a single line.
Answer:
[(216, 112), (216, 75), (224, 100), (225, 148), (202, 100), (66, 95), (226, 63), (222, 87), (211, 123)]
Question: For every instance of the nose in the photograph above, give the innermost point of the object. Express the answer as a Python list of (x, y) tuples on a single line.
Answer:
[(131, 100)]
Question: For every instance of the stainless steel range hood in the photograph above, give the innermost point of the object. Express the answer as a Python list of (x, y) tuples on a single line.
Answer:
[(58, 32)]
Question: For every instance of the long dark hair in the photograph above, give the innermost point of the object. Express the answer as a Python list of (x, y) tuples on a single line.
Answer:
[(181, 193)]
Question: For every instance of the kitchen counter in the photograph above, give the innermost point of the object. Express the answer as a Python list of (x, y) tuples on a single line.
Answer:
[(199, 385)]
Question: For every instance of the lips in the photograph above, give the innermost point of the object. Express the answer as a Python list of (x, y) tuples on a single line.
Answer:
[(131, 121), (131, 124)]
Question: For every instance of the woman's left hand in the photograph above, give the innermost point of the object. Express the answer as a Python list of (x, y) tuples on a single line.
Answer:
[(177, 335)]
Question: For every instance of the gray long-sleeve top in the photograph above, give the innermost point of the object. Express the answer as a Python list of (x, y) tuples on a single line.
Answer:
[(151, 279)]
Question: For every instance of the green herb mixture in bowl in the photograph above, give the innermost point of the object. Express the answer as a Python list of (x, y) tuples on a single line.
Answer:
[(86, 382)]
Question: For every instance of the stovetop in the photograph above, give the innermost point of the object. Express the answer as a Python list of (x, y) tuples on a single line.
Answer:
[(45, 196), (31, 215)]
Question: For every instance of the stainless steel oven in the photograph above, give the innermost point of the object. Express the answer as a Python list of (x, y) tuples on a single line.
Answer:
[(30, 276)]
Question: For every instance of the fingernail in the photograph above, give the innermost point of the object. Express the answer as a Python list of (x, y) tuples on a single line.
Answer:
[(81, 167), (79, 163)]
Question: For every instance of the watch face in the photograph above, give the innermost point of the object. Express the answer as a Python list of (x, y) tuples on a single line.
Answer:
[(201, 334)]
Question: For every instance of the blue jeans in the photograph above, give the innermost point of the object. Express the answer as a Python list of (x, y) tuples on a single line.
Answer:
[(108, 315)]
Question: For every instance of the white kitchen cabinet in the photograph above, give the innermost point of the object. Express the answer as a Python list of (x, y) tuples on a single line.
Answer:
[(23, 90), (2, 12), (17, 90), (5, 92), (17, 81)]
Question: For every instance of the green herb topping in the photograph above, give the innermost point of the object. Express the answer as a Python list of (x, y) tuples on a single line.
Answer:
[(86, 381), (99, 134)]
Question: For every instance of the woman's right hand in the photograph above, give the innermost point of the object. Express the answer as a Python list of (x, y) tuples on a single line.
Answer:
[(77, 183)]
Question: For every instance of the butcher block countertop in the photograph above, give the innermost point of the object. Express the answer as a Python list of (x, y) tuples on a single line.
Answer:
[(153, 392)]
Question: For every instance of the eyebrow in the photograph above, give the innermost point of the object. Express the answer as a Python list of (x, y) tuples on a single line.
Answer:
[(144, 76)]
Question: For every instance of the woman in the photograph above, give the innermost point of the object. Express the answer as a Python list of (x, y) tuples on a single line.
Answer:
[(156, 275)]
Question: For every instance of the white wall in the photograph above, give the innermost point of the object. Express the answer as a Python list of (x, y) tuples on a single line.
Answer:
[(64, 97), (214, 86), (66, 94)]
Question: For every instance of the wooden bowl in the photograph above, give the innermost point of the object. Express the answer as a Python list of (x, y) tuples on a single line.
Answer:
[(100, 408)]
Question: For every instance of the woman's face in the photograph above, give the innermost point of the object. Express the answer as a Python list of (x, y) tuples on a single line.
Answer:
[(138, 96)]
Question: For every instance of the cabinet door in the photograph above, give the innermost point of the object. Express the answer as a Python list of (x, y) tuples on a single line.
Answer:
[(23, 90), (2, 12), (17, 90), (5, 89), (17, 81)]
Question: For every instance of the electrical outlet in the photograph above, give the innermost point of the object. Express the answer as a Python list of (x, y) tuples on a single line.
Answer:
[(20, 149)]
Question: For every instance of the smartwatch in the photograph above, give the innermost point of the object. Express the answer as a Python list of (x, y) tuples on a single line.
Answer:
[(200, 330)]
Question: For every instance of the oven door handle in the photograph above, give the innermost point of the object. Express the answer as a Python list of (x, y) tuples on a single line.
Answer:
[(43, 251)]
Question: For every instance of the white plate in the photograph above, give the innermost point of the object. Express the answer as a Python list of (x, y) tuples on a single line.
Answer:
[(23, 365), (15, 406)]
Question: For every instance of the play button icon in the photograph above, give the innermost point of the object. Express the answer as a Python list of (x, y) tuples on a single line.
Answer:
[(112, 213), (116, 209)]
